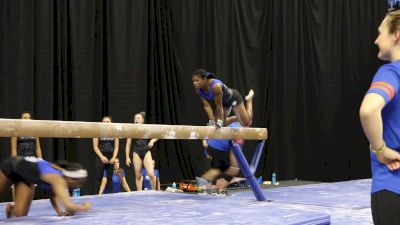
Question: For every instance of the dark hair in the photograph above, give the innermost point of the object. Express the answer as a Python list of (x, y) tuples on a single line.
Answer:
[(204, 74), (69, 166), (143, 114), (393, 5), (119, 172)]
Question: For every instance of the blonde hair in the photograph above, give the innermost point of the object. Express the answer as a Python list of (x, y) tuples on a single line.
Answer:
[(109, 117), (393, 21)]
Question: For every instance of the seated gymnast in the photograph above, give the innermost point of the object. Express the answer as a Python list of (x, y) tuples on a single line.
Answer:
[(24, 173), (224, 165), (118, 179), (225, 99)]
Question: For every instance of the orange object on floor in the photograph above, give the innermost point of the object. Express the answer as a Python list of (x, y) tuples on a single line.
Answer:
[(188, 185)]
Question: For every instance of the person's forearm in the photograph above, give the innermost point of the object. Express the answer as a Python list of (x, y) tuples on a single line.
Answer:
[(13, 146), (209, 112), (127, 152), (38, 149), (55, 205), (219, 113), (126, 187), (98, 152), (127, 147), (115, 154), (39, 153), (116, 148), (372, 125)]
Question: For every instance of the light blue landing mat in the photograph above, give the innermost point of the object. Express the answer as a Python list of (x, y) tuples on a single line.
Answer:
[(151, 207), (353, 194), (346, 202)]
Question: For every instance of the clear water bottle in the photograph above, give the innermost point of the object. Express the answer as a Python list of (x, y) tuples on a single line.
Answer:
[(76, 192), (174, 185), (273, 178)]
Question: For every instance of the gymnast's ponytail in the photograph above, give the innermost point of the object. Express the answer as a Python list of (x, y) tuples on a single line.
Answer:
[(204, 74)]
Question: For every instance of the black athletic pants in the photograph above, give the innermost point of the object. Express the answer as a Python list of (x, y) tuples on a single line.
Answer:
[(385, 206)]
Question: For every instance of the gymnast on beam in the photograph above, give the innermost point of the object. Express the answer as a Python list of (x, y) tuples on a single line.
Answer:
[(224, 98), (224, 164), (24, 173)]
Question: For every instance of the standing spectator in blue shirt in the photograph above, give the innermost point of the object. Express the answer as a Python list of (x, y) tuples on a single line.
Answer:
[(380, 119)]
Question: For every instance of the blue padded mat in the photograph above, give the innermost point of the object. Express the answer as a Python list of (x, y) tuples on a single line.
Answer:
[(151, 207), (353, 194)]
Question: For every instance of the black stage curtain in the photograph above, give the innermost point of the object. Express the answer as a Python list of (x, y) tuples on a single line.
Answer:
[(310, 63)]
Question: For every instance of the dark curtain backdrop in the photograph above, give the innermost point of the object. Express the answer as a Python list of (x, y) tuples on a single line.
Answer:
[(309, 61)]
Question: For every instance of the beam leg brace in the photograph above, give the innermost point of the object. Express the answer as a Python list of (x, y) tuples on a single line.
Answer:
[(256, 156), (245, 168)]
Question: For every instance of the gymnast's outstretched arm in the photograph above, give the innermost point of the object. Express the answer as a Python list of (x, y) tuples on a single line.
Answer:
[(59, 185)]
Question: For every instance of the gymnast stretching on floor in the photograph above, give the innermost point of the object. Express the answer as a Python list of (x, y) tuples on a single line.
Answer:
[(224, 164), (24, 173)]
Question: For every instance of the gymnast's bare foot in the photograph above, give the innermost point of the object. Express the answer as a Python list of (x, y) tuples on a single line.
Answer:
[(250, 95)]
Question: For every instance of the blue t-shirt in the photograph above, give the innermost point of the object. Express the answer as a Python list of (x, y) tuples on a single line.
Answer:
[(386, 83), (223, 145), (146, 180), (116, 181)]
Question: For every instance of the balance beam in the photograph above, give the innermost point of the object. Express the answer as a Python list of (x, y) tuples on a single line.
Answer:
[(74, 129)]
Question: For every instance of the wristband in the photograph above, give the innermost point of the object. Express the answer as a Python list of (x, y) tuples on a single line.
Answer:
[(379, 150), (210, 123), (220, 123)]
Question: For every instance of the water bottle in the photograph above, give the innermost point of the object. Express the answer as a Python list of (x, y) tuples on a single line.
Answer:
[(76, 192), (259, 180), (273, 178), (174, 185)]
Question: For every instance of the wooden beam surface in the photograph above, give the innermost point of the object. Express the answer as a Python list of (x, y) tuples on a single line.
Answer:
[(74, 129)]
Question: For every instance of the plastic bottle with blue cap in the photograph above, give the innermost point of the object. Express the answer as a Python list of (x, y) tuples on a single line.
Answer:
[(273, 179), (76, 192)]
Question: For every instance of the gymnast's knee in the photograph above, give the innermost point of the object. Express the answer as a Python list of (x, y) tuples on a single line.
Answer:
[(246, 122)]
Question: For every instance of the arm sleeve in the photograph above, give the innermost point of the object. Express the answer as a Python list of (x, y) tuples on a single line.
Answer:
[(386, 83)]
